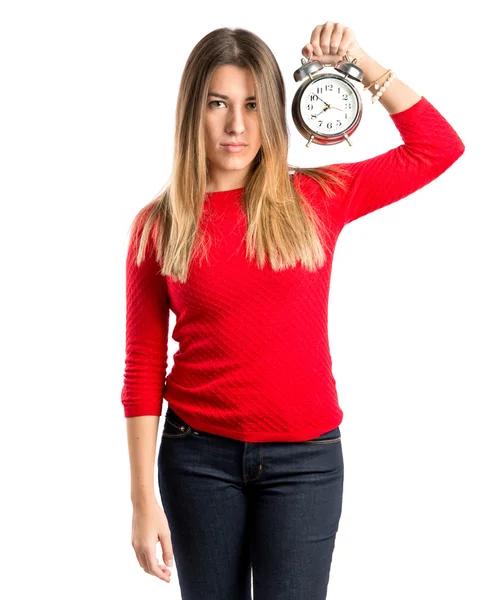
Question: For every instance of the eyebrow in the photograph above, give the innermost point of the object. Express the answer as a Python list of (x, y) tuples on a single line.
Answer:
[(227, 97)]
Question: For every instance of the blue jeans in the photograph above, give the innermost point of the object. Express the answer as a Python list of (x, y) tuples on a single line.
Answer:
[(233, 506)]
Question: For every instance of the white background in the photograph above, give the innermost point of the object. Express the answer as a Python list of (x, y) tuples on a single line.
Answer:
[(87, 115)]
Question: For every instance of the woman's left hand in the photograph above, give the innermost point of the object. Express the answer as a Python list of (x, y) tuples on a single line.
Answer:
[(330, 42)]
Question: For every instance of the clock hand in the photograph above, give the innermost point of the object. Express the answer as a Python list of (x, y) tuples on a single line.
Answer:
[(323, 110), (328, 105)]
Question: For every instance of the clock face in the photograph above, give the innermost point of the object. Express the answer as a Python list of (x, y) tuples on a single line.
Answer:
[(329, 105)]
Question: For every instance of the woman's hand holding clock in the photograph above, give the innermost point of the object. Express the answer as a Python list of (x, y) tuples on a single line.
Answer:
[(331, 41)]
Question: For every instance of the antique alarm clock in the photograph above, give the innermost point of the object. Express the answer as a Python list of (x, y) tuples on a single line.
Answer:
[(327, 108)]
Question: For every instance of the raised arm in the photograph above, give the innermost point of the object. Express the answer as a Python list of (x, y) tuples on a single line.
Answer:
[(430, 144)]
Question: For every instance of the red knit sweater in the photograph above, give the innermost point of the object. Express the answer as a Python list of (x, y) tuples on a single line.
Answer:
[(253, 362)]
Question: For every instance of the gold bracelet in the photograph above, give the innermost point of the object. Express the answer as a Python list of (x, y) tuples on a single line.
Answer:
[(371, 84)]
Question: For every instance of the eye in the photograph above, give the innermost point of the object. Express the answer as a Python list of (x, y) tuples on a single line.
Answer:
[(221, 102)]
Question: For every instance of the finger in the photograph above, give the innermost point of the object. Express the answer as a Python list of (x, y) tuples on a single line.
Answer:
[(153, 566), (315, 40), (307, 50), (325, 36), (143, 559), (167, 557), (167, 573), (335, 40), (346, 42), (142, 563), (165, 543)]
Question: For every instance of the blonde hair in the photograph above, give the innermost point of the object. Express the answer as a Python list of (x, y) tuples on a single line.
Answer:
[(281, 222)]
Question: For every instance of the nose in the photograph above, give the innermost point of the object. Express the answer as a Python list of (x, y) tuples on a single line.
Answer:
[(235, 122)]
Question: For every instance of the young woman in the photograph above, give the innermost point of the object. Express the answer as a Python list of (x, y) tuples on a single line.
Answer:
[(239, 246)]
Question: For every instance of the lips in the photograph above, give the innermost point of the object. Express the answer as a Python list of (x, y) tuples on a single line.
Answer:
[(235, 145), (234, 148)]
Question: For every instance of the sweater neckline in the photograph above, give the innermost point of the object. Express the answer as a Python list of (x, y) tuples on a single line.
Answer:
[(224, 192)]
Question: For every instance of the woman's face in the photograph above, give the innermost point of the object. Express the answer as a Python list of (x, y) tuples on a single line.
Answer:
[(230, 117)]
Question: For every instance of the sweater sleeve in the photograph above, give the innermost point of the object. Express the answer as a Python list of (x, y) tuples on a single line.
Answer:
[(147, 327), (430, 146)]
